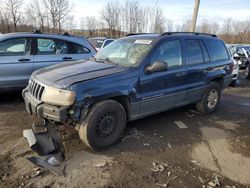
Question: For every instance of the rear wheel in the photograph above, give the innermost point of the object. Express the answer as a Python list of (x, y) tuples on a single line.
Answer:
[(247, 71), (210, 99), (103, 125)]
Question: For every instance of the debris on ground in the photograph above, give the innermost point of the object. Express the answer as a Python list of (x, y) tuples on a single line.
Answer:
[(169, 173), (166, 184), (169, 145), (216, 180), (201, 180), (101, 164), (158, 167)]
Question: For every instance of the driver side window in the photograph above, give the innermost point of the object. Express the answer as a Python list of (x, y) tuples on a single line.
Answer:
[(169, 52)]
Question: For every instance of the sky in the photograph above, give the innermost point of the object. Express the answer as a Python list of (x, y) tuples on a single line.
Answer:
[(177, 10)]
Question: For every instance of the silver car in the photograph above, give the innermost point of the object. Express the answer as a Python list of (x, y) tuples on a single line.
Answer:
[(23, 53)]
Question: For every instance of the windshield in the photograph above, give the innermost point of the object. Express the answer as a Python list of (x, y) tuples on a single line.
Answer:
[(124, 52), (247, 48), (97, 43)]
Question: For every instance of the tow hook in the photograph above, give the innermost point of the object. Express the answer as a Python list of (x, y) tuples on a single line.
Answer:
[(45, 139)]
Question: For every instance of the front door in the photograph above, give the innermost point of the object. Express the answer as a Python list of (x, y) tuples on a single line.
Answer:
[(50, 52), (163, 90), (16, 62)]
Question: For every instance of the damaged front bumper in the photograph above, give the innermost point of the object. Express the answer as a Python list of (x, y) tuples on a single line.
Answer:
[(51, 112), (45, 139)]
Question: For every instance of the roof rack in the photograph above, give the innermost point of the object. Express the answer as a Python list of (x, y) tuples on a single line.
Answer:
[(66, 34), (131, 34), (193, 33), (37, 32)]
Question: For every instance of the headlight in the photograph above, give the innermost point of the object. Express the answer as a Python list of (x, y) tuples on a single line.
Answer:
[(59, 97)]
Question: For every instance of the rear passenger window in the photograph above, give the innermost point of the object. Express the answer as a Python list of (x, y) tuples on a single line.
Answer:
[(51, 47), (194, 52), (77, 49), (218, 50), (169, 52)]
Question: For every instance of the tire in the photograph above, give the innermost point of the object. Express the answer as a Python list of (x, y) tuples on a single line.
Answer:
[(233, 83), (103, 125), (210, 99), (247, 71)]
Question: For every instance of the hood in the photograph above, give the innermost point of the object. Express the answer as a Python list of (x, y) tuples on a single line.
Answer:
[(66, 74)]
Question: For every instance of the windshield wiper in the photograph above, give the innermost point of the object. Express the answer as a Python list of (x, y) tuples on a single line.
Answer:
[(110, 61), (97, 60), (104, 60)]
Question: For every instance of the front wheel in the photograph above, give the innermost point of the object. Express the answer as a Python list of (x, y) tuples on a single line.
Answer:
[(103, 125), (210, 99)]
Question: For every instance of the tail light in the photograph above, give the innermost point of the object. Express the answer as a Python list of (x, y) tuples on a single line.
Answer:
[(231, 66)]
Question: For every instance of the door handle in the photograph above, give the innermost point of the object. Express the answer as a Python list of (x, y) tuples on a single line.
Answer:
[(23, 59), (67, 58)]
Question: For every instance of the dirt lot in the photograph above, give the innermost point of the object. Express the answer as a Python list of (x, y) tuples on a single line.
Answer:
[(154, 151)]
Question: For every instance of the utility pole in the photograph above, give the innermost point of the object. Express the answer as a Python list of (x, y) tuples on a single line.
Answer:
[(195, 14)]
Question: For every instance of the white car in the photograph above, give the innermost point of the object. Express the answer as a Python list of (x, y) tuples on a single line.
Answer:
[(235, 73)]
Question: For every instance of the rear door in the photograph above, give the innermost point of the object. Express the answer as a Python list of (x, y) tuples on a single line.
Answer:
[(49, 52), (16, 62), (198, 65), (53, 51), (163, 90)]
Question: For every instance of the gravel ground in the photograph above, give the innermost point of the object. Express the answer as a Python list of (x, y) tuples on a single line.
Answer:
[(153, 152)]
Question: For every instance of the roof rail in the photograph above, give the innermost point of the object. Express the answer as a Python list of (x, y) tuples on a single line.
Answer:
[(37, 31), (193, 33), (131, 34)]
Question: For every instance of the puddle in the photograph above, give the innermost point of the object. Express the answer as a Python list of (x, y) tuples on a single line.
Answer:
[(245, 104), (217, 155)]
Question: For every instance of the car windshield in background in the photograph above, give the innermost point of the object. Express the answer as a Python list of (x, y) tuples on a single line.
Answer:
[(97, 42), (124, 52), (247, 48)]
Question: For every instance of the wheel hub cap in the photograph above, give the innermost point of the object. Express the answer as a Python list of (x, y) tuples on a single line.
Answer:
[(106, 125), (212, 98)]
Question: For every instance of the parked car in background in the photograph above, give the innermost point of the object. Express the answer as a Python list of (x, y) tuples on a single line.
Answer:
[(100, 42), (22, 53), (241, 53), (235, 68), (131, 78)]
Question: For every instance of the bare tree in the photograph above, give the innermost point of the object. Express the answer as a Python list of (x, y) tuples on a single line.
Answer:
[(38, 13), (169, 25), (227, 29), (91, 25), (110, 15), (13, 7), (159, 21), (57, 11)]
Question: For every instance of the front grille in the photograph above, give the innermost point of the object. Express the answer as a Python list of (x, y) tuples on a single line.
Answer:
[(36, 89)]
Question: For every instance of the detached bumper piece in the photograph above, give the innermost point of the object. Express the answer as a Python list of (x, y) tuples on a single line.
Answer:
[(45, 140)]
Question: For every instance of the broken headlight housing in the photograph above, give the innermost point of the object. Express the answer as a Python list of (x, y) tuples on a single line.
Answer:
[(60, 97)]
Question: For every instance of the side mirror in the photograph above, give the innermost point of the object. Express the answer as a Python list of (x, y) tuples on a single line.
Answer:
[(236, 56), (157, 66)]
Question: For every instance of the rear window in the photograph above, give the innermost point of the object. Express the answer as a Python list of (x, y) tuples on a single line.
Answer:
[(218, 50), (194, 52)]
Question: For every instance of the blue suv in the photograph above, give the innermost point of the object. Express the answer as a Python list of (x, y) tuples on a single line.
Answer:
[(133, 77)]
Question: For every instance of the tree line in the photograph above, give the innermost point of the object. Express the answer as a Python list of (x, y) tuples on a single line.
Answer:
[(114, 20)]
